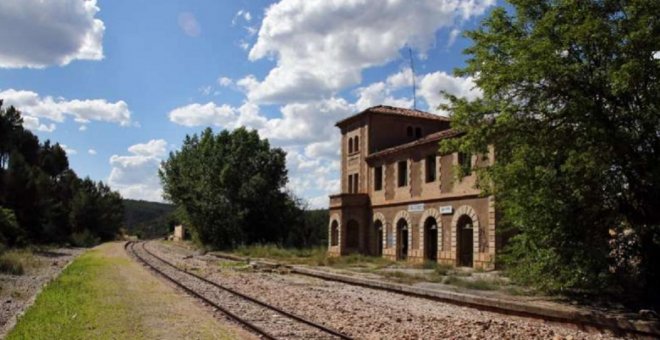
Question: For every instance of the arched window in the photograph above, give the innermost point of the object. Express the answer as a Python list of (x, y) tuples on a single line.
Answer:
[(357, 143), (350, 145), (334, 233)]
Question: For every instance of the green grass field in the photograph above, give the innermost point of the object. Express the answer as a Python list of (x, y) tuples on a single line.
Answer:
[(75, 305), (103, 294)]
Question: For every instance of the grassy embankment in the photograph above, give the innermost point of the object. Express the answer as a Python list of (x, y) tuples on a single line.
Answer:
[(105, 295), (394, 271)]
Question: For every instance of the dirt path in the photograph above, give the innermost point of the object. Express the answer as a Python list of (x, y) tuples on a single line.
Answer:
[(117, 298)]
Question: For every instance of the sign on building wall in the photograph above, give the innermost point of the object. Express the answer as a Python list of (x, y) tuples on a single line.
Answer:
[(416, 207), (446, 210)]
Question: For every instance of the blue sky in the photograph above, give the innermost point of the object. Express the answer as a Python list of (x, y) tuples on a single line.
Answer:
[(121, 82)]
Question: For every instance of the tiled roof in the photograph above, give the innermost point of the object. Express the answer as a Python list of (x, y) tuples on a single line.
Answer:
[(433, 137), (384, 109)]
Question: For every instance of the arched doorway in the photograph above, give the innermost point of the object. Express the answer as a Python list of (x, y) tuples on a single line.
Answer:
[(378, 232), (431, 239), (334, 233), (352, 235), (464, 241), (402, 239)]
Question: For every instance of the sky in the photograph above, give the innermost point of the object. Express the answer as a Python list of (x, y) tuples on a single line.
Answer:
[(120, 83)]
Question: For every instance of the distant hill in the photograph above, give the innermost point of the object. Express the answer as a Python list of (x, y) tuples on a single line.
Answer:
[(148, 219)]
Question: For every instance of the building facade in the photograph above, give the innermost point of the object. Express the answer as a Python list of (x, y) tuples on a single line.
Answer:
[(401, 199)]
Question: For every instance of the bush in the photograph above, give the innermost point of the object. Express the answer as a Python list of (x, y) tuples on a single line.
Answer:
[(84, 239), (10, 233), (10, 265), (15, 262)]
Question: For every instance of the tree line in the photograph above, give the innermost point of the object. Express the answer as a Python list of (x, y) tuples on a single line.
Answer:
[(229, 188), (570, 104), (42, 200)]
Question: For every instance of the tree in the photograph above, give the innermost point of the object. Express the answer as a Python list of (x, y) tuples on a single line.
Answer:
[(570, 104), (230, 187), (42, 199)]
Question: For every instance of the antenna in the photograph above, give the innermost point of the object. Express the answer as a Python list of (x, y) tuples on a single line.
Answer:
[(412, 71)]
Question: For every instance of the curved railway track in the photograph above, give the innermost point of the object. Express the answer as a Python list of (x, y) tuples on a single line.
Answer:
[(268, 321)]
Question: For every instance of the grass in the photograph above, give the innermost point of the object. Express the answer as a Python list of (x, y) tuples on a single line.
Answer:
[(401, 277), (440, 273), (476, 284), (316, 256), (103, 294), (71, 305), (17, 261)]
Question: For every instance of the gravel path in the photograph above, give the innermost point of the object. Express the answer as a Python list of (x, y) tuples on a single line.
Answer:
[(368, 313), (269, 320), (17, 292)]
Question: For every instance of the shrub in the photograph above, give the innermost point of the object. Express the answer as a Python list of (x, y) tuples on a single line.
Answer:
[(11, 266), (84, 239), (10, 233), (16, 261)]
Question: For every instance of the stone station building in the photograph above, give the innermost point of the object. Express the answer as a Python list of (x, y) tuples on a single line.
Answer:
[(400, 198)]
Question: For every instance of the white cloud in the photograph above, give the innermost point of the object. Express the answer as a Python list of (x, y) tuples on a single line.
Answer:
[(205, 90), (153, 148), (203, 114), (136, 175), (241, 14), (91, 152), (431, 84), (452, 36), (225, 81), (82, 128), (381, 93), (304, 123), (224, 116), (69, 151), (32, 123), (188, 24), (37, 33), (321, 47), (56, 109)]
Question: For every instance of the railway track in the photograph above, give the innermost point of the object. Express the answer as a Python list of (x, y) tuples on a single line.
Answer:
[(620, 327), (266, 320)]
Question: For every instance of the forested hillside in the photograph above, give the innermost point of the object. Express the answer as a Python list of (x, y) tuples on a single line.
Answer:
[(148, 219)]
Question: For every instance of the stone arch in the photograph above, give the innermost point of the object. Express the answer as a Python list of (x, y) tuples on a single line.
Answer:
[(332, 237), (402, 214), (465, 210), (379, 218), (432, 212)]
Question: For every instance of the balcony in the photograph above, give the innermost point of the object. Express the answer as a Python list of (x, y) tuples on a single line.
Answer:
[(349, 200)]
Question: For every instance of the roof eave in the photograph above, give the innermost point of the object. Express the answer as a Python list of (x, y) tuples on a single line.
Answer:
[(400, 148)]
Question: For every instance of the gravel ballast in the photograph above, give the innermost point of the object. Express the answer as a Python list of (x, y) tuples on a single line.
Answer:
[(368, 313)]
